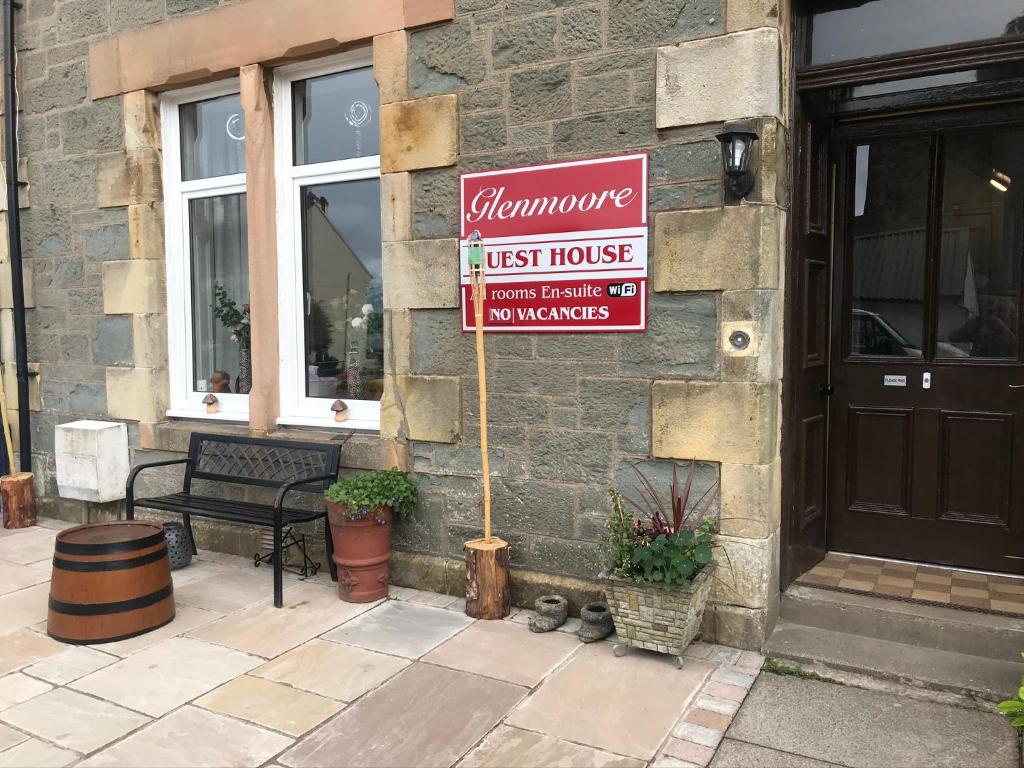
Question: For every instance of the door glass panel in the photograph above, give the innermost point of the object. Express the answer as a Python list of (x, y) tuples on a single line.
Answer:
[(220, 293), (341, 260), (335, 117), (982, 244), (852, 30), (212, 138), (889, 237)]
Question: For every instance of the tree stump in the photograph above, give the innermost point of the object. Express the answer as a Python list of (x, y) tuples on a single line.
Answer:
[(18, 500), (488, 590)]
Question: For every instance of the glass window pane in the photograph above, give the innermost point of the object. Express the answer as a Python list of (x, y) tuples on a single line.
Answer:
[(889, 232), (341, 262), (220, 294), (982, 244), (212, 138), (335, 117), (852, 30)]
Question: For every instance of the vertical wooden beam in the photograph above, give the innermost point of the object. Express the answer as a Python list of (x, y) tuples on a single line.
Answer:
[(261, 203)]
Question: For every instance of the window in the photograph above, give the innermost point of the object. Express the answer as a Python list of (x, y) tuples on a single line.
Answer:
[(207, 254), (329, 242)]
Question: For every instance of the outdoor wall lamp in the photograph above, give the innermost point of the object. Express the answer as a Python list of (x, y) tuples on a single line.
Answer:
[(737, 141), (1000, 180)]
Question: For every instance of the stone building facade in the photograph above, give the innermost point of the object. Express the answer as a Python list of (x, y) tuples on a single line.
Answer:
[(464, 85)]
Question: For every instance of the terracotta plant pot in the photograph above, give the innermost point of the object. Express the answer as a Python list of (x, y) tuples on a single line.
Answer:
[(362, 552)]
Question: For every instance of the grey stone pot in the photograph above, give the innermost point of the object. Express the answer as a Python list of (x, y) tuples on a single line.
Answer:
[(551, 613), (179, 545), (596, 622)]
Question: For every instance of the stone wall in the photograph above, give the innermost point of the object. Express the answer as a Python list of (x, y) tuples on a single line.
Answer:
[(543, 80), (507, 83)]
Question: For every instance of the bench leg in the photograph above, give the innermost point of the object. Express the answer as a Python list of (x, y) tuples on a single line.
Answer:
[(278, 569), (129, 509), (329, 547), (187, 519)]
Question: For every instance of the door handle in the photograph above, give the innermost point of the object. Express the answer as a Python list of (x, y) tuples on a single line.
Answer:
[(1017, 386)]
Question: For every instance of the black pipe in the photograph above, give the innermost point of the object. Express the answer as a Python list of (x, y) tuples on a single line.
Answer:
[(14, 236)]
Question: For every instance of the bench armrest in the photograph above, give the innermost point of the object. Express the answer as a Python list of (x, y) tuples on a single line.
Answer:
[(130, 486), (289, 487)]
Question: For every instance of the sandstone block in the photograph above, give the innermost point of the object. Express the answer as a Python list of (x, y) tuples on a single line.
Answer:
[(730, 77), (137, 394), (731, 248), (423, 133), (739, 627), (759, 315), (751, 14), (133, 287), (146, 231), (390, 66), (141, 120), (725, 421), (149, 339), (421, 275), (6, 290), (750, 500), (427, 408), (396, 198), (398, 341), (10, 374), (130, 177)]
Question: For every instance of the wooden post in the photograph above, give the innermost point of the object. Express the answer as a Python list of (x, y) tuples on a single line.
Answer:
[(18, 500), (488, 590), (488, 594)]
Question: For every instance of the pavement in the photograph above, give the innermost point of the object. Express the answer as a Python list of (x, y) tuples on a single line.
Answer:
[(791, 722), (410, 681)]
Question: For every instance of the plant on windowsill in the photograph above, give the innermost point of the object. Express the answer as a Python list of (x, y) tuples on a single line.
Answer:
[(361, 512), (237, 321), (658, 564)]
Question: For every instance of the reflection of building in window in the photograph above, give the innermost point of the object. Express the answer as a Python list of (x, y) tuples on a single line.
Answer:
[(343, 334)]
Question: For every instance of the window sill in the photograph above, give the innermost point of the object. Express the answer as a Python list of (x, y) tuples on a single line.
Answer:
[(182, 413), (359, 425)]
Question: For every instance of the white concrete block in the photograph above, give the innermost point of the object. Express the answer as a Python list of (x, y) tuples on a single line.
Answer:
[(92, 460)]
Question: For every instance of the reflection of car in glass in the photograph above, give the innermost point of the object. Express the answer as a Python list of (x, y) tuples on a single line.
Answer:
[(872, 335)]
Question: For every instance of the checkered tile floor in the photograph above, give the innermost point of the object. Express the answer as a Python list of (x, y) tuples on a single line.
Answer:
[(919, 583)]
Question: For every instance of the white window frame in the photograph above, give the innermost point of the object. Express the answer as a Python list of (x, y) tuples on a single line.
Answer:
[(295, 407), (186, 402)]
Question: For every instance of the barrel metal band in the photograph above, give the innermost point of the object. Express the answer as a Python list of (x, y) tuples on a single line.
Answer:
[(93, 566), (72, 548), (106, 609)]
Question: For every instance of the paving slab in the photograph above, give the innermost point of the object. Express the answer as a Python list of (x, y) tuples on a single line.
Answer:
[(401, 629), (29, 545), (263, 630), (623, 705), (194, 737), (22, 609), (166, 675), (504, 650), (68, 665), (270, 704), (72, 720), (24, 647), (425, 716), (739, 754), (185, 618), (9, 737), (17, 687), (224, 590), (341, 672), (515, 748), (14, 577), (866, 729), (34, 753)]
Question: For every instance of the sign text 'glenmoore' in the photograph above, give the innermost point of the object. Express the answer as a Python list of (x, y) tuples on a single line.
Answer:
[(566, 245)]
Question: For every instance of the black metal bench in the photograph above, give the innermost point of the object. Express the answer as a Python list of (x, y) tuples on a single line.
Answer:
[(281, 464)]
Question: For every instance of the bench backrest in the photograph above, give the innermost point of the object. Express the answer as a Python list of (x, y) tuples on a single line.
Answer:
[(266, 463)]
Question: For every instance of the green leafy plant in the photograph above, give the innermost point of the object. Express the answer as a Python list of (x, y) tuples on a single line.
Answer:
[(1014, 708), (231, 317), (364, 494), (671, 541)]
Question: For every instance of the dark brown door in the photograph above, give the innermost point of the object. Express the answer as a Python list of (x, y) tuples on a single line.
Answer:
[(805, 439), (927, 417)]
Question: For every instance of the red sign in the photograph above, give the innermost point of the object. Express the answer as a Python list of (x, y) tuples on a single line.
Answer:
[(566, 246)]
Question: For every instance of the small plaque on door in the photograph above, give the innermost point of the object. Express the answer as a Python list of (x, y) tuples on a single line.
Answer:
[(889, 380)]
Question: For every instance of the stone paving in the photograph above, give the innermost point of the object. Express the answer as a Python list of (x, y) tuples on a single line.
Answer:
[(410, 681)]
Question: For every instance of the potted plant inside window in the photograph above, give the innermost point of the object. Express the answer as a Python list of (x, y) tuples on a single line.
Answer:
[(361, 512), (658, 557)]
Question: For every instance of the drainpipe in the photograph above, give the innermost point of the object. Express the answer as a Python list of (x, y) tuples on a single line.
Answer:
[(14, 235)]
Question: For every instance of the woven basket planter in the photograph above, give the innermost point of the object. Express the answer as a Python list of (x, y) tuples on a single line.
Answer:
[(649, 616)]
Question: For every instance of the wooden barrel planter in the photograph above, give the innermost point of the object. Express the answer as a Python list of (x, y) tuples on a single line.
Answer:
[(111, 581)]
